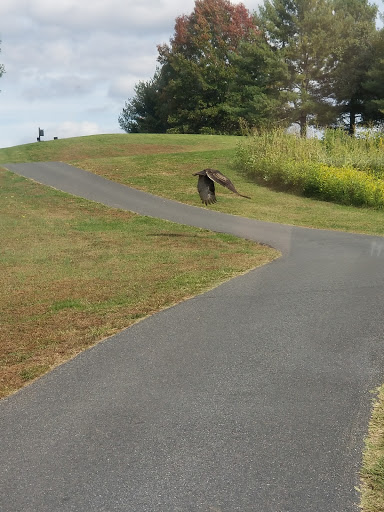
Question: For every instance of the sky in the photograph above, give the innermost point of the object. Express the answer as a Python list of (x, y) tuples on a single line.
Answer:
[(71, 64)]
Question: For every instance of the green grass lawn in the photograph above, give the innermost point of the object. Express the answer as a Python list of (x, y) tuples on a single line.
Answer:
[(75, 271)]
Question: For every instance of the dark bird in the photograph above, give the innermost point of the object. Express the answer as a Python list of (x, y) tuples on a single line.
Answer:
[(206, 185)]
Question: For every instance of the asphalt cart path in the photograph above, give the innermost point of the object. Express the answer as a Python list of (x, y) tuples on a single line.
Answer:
[(252, 397)]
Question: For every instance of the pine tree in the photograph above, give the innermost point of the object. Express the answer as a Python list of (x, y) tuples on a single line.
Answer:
[(373, 85), (145, 112), (354, 56), (305, 34), (255, 91)]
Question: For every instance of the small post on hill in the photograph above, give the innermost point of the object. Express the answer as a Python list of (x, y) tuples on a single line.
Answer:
[(41, 134)]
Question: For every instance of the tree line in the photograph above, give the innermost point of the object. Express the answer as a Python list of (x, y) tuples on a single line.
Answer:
[(307, 62)]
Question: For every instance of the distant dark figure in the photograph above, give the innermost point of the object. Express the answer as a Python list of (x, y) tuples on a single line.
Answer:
[(206, 185)]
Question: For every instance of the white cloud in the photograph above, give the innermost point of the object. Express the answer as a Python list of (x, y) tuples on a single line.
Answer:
[(122, 86), (72, 129), (46, 86), (124, 15)]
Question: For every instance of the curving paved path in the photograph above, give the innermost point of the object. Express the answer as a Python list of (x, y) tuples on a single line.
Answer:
[(253, 397)]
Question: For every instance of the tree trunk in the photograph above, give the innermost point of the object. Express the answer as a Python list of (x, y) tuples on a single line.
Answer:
[(352, 119), (303, 126)]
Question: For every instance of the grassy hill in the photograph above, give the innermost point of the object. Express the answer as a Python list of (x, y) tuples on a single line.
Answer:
[(164, 164)]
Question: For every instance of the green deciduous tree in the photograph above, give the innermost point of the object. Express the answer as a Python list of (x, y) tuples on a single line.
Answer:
[(197, 65), (189, 93)]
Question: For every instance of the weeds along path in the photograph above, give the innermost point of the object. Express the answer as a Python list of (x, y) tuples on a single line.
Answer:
[(254, 396)]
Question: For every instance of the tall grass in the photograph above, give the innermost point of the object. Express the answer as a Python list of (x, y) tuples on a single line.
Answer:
[(365, 153), (372, 472), (337, 168)]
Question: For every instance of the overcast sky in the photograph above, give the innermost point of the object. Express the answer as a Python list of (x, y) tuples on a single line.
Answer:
[(71, 64)]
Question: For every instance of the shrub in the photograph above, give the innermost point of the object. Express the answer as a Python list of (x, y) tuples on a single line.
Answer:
[(350, 186), (306, 166)]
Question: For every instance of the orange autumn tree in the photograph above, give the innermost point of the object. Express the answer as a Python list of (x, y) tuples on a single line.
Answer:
[(216, 70), (196, 67)]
